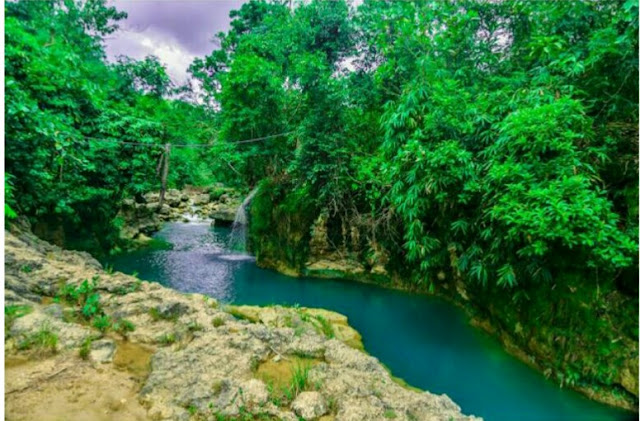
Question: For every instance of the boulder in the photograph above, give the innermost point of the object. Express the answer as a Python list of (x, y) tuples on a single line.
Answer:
[(254, 392), (309, 405), (152, 197), (102, 351), (223, 214), (201, 199)]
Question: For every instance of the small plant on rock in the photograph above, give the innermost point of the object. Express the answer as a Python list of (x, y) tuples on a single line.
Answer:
[(11, 313), (123, 327), (167, 339), (102, 323), (85, 348), (218, 321), (44, 341)]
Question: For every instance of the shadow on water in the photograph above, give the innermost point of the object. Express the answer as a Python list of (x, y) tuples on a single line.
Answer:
[(423, 340)]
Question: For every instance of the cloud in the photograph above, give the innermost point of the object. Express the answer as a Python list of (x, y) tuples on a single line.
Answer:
[(174, 31)]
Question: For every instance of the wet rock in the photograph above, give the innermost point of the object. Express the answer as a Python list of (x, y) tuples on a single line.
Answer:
[(309, 405), (224, 214)]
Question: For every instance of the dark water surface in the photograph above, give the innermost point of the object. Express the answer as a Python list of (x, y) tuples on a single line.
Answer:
[(423, 340)]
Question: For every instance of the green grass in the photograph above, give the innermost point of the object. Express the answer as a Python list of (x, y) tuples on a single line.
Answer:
[(157, 315), (218, 321), (13, 312), (167, 339), (44, 341), (325, 327), (194, 326), (299, 380), (102, 323), (123, 327), (85, 348), (238, 314)]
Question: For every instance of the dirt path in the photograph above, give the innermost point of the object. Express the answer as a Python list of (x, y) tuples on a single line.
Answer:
[(66, 388)]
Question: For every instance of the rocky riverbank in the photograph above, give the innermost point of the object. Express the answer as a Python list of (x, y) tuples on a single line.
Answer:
[(607, 373), (82, 343), (143, 215)]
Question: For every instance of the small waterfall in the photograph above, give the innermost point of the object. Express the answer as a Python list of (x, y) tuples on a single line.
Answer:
[(192, 215), (238, 236)]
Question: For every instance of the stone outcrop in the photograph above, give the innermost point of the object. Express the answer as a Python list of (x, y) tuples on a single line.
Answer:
[(144, 216), (189, 357)]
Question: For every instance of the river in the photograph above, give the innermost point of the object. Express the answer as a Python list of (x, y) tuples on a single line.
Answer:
[(423, 340)]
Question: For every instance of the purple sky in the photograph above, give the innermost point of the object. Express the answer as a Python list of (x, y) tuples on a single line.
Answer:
[(174, 31)]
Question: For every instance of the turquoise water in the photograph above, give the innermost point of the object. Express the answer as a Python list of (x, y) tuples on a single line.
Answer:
[(423, 340)]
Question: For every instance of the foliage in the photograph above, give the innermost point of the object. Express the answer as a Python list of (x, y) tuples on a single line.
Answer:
[(482, 141), (123, 327), (9, 200), (68, 110)]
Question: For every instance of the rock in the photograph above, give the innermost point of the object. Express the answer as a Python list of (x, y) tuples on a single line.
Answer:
[(309, 405), (201, 199), (173, 201), (254, 392), (334, 266), (224, 214), (629, 376), (208, 364), (69, 335), (54, 310), (143, 239), (102, 351), (165, 209), (152, 197), (172, 310), (128, 204)]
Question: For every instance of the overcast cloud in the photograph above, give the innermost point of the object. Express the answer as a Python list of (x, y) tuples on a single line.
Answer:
[(174, 31)]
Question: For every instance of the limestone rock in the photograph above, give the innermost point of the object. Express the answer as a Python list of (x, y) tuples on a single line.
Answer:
[(201, 199), (70, 335), (254, 392), (309, 405), (102, 351), (208, 365)]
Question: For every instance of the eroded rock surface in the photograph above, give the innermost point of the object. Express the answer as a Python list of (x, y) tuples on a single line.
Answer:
[(189, 357)]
